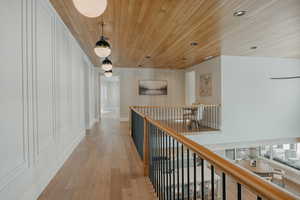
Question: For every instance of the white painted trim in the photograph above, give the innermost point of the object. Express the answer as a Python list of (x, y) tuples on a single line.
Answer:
[(35, 190), (44, 154)]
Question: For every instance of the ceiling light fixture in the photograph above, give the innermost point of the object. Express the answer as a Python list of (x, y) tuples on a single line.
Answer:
[(148, 57), (90, 8), (194, 43), (239, 13), (108, 74), (102, 48), (107, 65)]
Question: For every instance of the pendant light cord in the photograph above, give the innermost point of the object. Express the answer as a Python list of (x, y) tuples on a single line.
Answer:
[(102, 24), (101, 29)]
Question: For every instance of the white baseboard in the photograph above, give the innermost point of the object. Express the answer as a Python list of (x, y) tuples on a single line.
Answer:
[(37, 188)]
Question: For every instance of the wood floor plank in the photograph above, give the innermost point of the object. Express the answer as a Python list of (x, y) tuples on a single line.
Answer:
[(105, 165)]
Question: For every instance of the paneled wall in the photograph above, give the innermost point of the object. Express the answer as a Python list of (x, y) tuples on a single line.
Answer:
[(44, 75)]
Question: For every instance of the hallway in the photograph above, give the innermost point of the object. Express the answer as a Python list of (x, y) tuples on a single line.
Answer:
[(105, 165)]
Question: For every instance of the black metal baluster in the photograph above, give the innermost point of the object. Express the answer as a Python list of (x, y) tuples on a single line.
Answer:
[(177, 152), (202, 179), (153, 152), (195, 177), (161, 165), (239, 191), (223, 186), (173, 168), (212, 182), (155, 160), (154, 156), (158, 164), (158, 158), (188, 172), (167, 165), (182, 171), (170, 169), (150, 152)]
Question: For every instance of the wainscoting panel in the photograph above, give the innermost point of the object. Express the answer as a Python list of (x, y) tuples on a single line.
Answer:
[(44, 71), (42, 102), (13, 103)]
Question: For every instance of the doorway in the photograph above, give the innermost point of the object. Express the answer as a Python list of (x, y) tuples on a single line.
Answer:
[(110, 97)]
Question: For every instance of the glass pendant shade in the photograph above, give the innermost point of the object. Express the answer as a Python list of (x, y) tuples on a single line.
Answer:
[(108, 73), (106, 65), (102, 48), (90, 8)]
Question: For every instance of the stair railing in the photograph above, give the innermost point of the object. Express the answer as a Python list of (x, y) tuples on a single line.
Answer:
[(180, 168)]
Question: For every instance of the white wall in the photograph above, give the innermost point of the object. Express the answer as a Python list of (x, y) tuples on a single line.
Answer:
[(254, 107), (212, 66), (42, 105), (190, 87), (129, 78)]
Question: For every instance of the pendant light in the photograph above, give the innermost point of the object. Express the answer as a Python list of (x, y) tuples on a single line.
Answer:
[(108, 74), (102, 48), (90, 8), (106, 65)]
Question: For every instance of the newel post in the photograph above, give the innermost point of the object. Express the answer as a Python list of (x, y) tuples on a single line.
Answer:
[(146, 148)]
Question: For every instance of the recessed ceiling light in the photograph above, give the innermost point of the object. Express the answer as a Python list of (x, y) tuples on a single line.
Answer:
[(184, 59), (148, 57), (194, 43), (140, 65), (254, 47), (239, 13), (208, 57)]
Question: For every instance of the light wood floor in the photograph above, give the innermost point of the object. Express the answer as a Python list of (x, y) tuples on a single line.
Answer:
[(105, 166)]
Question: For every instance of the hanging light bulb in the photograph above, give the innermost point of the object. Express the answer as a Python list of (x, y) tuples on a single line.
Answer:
[(90, 8), (108, 73), (106, 64), (102, 48)]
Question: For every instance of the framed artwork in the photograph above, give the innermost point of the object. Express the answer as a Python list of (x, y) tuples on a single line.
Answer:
[(206, 85), (149, 87)]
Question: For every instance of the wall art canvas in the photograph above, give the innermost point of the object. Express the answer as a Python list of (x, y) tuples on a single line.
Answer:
[(149, 87), (206, 85)]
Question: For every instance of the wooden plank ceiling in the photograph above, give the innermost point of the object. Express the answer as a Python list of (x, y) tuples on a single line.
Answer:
[(165, 29)]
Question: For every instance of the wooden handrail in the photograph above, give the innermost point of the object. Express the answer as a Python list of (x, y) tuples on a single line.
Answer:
[(243, 176), (175, 106)]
